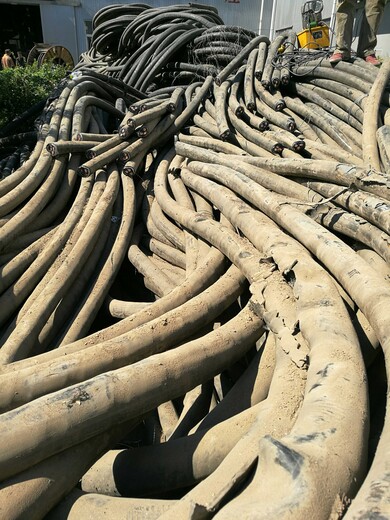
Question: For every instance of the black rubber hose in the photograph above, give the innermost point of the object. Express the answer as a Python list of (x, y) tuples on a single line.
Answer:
[(164, 39), (115, 86), (13, 125), (228, 48), (196, 68), (220, 29), (223, 36), (112, 11), (131, 62), (150, 72), (141, 21), (16, 139), (197, 18)]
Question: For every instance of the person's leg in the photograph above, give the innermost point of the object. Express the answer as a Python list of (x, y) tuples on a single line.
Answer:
[(372, 16), (344, 26)]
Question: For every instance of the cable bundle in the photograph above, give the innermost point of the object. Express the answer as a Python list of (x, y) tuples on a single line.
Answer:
[(136, 45)]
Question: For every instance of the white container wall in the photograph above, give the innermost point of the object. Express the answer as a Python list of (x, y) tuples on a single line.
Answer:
[(59, 27)]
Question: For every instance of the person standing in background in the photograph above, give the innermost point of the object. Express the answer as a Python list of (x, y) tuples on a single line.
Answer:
[(20, 59), (372, 16), (6, 61)]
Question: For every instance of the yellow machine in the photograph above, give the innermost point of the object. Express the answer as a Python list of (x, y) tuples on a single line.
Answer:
[(315, 33)]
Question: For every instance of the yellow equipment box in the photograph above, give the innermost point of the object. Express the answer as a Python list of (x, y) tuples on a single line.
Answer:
[(314, 38)]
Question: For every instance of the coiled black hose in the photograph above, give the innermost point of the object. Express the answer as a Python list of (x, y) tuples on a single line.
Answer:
[(135, 43)]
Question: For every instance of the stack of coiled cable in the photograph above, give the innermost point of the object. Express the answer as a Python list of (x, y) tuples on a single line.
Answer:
[(152, 48)]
